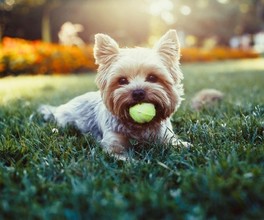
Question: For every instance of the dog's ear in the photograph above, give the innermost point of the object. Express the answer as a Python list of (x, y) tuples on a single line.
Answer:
[(169, 47), (105, 49)]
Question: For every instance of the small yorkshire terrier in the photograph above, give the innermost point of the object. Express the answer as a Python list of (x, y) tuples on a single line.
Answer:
[(126, 77)]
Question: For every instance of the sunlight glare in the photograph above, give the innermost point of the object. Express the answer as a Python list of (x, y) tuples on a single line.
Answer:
[(168, 17), (222, 1), (10, 2), (159, 6), (185, 10)]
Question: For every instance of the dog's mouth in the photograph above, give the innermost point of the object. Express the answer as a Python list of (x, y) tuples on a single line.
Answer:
[(157, 118)]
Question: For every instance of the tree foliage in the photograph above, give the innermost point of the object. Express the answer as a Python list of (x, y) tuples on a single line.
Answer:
[(45, 7), (224, 20), (131, 19)]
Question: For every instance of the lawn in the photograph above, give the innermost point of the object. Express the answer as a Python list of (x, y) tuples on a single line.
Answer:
[(47, 173)]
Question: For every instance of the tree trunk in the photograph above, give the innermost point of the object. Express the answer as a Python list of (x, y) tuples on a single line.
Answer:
[(45, 29), (1, 33)]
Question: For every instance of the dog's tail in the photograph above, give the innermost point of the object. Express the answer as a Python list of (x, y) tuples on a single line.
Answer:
[(206, 98), (47, 111)]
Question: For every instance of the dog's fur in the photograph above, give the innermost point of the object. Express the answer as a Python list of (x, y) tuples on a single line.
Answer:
[(206, 98), (127, 76)]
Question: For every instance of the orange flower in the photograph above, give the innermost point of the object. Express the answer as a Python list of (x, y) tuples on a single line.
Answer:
[(217, 53), (21, 56)]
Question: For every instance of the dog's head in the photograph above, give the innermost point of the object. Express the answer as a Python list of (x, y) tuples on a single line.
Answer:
[(128, 76)]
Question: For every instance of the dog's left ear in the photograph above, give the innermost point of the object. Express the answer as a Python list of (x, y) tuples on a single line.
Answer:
[(105, 49), (169, 47)]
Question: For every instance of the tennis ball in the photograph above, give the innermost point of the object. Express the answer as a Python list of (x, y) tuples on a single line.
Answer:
[(142, 113)]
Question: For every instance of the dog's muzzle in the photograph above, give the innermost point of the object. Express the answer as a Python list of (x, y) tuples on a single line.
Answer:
[(138, 95)]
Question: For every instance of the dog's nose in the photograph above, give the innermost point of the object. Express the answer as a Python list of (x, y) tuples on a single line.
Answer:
[(138, 94)]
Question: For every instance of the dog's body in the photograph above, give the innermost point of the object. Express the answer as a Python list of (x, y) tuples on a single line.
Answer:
[(126, 77), (89, 115)]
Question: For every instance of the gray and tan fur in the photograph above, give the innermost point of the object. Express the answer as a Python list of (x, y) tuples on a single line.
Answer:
[(127, 76)]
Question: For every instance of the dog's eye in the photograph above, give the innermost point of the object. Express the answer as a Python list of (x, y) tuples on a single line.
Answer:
[(123, 81), (152, 78)]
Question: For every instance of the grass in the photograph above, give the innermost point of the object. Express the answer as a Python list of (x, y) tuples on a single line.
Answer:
[(50, 174)]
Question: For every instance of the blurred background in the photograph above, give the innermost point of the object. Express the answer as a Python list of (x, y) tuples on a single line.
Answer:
[(204, 24)]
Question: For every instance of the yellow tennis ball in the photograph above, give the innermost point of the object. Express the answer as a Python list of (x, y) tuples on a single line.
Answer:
[(142, 113)]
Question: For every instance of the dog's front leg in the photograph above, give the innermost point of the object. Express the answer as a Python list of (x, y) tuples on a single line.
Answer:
[(115, 143), (169, 137)]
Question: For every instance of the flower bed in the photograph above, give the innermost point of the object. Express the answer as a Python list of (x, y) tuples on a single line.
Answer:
[(18, 56), (217, 53)]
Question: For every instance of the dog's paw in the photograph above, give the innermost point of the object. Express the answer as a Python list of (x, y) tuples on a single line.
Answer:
[(180, 143), (46, 111), (119, 153), (115, 149), (122, 157)]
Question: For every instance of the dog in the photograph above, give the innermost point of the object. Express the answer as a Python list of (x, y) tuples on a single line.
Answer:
[(126, 77)]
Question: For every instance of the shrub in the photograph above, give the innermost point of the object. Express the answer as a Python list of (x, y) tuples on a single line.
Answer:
[(19, 56), (217, 53)]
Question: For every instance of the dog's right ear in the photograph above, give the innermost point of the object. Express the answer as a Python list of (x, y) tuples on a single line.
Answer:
[(105, 49), (169, 47)]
